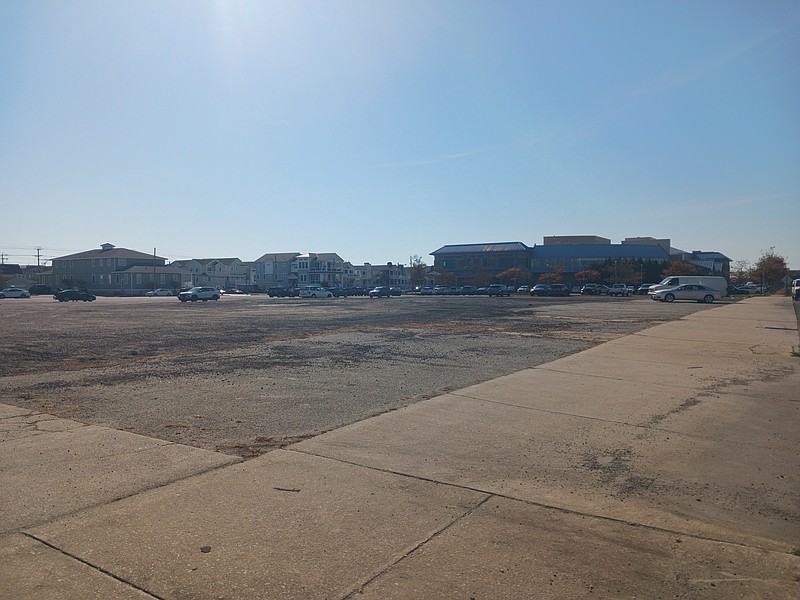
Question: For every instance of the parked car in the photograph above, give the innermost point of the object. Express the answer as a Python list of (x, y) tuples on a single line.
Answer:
[(687, 291), (593, 289), (314, 291), (498, 289), (279, 292), (233, 290), (740, 290), (40, 289), (396, 291), (203, 293), (558, 289), (523, 289), (644, 288), (74, 295), (468, 290), (338, 292), (426, 291), (382, 291), (540, 289), (159, 292), (14, 292), (619, 289), (796, 289), (713, 281)]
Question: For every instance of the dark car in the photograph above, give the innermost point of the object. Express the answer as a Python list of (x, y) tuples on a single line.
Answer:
[(74, 296), (644, 288), (40, 289), (279, 292), (558, 289), (540, 289), (498, 289), (395, 291), (594, 289), (382, 291), (338, 292)]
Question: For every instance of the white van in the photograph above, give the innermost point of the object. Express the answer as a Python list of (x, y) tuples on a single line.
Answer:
[(714, 282), (796, 289)]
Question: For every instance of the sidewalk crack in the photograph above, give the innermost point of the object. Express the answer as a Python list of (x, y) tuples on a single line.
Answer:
[(92, 566), (360, 587)]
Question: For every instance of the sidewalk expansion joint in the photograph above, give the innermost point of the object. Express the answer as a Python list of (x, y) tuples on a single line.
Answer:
[(360, 587), (562, 372), (560, 509), (22, 528), (91, 566)]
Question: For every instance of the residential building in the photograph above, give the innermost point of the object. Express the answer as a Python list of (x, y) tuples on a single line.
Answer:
[(295, 269), (273, 270), (389, 274), (217, 272), (115, 271), (12, 275), (361, 276), (323, 268)]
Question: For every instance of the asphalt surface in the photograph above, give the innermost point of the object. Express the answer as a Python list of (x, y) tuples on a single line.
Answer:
[(248, 374), (660, 464)]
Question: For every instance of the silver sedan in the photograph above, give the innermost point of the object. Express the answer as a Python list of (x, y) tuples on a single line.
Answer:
[(15, 292), (688, 291)]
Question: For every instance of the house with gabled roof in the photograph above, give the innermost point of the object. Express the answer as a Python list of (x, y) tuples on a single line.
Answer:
[(317, 268), (217, 272), (273, 270), (113, 271)]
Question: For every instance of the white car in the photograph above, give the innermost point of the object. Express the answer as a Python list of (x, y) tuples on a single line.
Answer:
[(315, 291), (159, 292), (14, 292), (687, 291), (203, 293)]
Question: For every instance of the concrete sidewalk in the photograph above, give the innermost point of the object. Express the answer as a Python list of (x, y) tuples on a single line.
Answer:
[(661, 464)]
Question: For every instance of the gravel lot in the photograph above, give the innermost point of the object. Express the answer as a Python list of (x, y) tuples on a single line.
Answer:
[(251, 373)]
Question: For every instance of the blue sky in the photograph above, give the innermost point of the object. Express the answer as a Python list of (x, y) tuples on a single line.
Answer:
[(381, 129)]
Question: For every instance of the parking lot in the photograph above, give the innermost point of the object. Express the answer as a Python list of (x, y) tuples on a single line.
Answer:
[(250, 373)]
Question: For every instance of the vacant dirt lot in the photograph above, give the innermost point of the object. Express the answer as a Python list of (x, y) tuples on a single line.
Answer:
[(251, 373)]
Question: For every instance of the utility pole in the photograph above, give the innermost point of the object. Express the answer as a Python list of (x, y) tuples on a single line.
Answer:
[(38, 258), (3, 258)]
